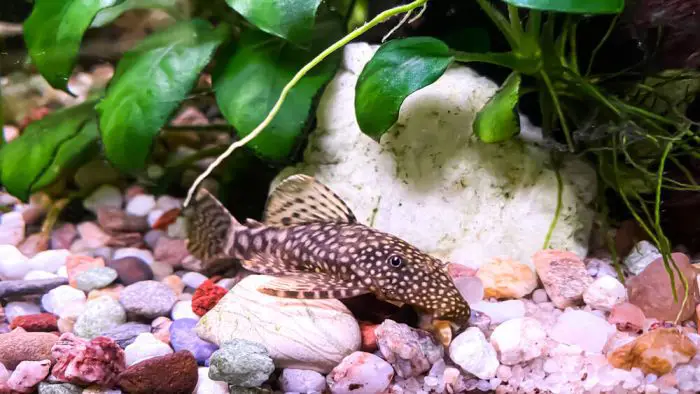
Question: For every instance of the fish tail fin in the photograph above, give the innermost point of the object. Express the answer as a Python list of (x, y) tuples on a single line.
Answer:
[(210, 227)]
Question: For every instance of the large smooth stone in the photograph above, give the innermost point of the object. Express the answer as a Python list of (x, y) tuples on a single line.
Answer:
[(432, 182), (301, 334)]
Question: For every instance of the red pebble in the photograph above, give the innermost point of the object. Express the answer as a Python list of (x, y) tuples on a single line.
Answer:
[(39, 322), (206, 296), (82, 362), (369, 339), (166, 219)]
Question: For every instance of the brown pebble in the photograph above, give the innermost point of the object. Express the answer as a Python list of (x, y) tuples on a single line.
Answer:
[(174, 373), (175, 283), (131, 270), (18, 345), (111, 291)]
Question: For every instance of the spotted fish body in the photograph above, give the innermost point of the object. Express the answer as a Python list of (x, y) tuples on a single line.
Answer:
[(312, 243)]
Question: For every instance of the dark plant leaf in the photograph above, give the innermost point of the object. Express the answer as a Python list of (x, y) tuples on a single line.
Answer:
[(572, 6), (53, 33), (253, 78), (292, 20), (397, 69), (47, 148), (174, 8), (149, 83), (498, 120)]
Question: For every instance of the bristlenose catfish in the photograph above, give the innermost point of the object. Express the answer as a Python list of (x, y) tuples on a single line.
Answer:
[(312, 242)]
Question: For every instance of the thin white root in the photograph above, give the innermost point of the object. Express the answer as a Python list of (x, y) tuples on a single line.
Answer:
[(419, 14), (398, 26)]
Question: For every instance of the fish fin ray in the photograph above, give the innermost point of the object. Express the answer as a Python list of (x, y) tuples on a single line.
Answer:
[(301, 199), (311, 286), (210, 227), (261, 264)]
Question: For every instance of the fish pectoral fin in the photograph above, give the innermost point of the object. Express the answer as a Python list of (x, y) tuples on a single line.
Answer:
[(311, 286), (301, 199), (268, 265), (210, 227)]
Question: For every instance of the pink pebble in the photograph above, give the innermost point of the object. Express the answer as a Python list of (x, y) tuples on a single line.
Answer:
[(28, 374)]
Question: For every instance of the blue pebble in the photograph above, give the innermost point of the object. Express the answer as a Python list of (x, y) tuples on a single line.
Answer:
[(183, 337)]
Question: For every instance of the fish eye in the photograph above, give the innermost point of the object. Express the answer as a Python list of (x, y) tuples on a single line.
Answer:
[(395, 261)]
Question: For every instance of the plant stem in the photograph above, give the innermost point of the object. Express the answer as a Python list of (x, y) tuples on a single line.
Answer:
[(600, 44), (515, 20), (557, 211), (383, 16), (53, 214), (500, 21), (557, 107)]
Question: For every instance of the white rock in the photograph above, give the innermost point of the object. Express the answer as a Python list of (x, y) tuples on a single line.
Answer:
[(360, 372), (63, 272), (437, 190), (604, 293), (471, 288), (4, 373), (49, 260), (597, 268), (145, 346), (143, 254), (166, 203), (205, 385), (178, 229), (303, 334), (584, 329), (20, 308), (11, 228), (13, 264), (141, 205), (643, 254), (33, 275), (105, 196), (501, 311), (153, 216), (519, 340), (193, 279), (539, 296), (183, 310), (474, 354), (62, 300), (302, 381)]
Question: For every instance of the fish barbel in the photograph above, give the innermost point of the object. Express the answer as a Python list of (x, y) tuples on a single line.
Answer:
[(312, 243)]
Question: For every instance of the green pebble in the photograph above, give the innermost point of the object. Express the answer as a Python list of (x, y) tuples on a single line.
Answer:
[(95, 278), (59, 388), (100, 315), (241, 363)]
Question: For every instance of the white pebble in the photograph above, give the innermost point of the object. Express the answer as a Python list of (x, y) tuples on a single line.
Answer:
[(145, 346), (178, 229), (142, 254), (105, 196), (643, 254), (205, 385), (62, 300), (166, 203), (141, 205), (471, 288), (12, 228), (12, 263), (302, 381), (474, 354), (193, 279), (519, 340), (501, 311), (584, 329), (34, 275), (604, 293), (49, 260), (539, 296), (153, 216), (183, 310), (20, 308), (62, 272)]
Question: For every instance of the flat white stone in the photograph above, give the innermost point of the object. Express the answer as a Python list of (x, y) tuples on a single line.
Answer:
[(301, 334)]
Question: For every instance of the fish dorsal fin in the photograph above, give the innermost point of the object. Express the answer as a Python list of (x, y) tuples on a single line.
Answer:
[(311, 285), (210, 226), (301, 199)]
